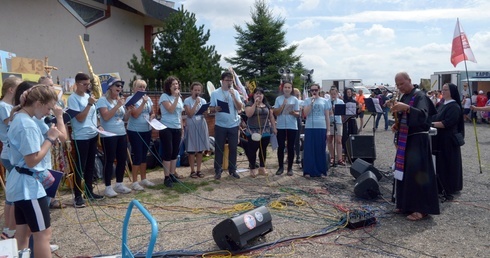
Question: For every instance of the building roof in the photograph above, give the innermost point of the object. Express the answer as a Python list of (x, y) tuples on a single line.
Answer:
[(159, 10)]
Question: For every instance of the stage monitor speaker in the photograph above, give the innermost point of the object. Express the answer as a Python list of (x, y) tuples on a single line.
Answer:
[(366, 186), (233, 234), (361, 146), (360, 166)]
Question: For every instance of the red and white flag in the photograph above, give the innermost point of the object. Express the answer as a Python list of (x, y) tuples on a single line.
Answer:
[(461, 46)]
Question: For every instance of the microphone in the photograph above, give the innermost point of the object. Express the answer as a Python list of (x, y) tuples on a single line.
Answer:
[(313, 100)]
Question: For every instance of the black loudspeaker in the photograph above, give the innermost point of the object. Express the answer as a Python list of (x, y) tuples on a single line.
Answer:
[(233, 234), (360, 166), (367, 186), (361, 146)]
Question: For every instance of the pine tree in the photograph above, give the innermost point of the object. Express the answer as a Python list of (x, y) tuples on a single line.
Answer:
[(181, 51), (262, 48)]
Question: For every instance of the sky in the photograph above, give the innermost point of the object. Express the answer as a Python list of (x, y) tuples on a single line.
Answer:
[(370, 40)]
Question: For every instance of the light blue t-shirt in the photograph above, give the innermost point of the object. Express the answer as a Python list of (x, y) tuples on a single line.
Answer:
[(5, 109), (116, 123), (44, 131), (171, 120), (338, 119), (285, 120), (190, 103), (25, 138), (223, 119), (139, 124), (316, 117), (87, 129)]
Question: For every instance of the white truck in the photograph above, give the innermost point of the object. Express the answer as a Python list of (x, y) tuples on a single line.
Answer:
[(341, 84)]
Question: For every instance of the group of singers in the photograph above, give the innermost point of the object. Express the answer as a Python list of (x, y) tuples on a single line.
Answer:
[(27, 141)]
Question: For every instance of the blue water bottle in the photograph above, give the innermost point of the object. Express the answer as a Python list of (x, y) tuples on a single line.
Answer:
[(178, 161)]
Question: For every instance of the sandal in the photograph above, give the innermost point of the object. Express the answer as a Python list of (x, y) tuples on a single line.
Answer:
[(263, 171), (5, 236), (56, 204), (178, 176), (398, 211), (199, 174), (416, 216), (252, 173), (341, 162), (194, 175)]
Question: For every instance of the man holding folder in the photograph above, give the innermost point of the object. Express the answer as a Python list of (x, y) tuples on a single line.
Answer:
[(226, 103)]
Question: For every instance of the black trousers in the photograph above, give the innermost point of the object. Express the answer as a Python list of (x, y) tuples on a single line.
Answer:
[(284, 135)]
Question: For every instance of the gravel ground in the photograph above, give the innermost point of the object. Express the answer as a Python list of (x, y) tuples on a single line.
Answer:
[(307, 211)]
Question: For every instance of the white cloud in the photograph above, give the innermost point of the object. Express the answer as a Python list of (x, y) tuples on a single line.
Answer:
[(307, 5), (305, 25), (379, 33), (370, 40), (406, 15), (346, 27), (221, 14)]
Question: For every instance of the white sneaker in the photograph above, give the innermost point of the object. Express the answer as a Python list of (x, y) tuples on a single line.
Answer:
[(146, 182), (120, 188), (137, 187), (54, 248), (109, 192)]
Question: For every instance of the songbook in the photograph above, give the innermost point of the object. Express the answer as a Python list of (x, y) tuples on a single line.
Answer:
[(339, 109), (350, 109), (224, 106), (287, 109), (68, 114), (51, 191), (137, 96), (203, 109), (373, 106), (106, 133), (157, 125)]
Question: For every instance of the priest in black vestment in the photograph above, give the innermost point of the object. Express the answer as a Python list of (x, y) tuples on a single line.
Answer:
[(415, 180)]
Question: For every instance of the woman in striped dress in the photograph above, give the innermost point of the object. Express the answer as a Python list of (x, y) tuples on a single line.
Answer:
[(196, 129)]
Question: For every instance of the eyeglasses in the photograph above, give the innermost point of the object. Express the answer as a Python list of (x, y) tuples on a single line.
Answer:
[(119, 85), (85, 84), (228, 80)]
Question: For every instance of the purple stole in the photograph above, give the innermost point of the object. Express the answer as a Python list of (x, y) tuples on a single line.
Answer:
[(402, 144)]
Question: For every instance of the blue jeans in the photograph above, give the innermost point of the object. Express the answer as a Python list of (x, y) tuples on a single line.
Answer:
[(385, 115)]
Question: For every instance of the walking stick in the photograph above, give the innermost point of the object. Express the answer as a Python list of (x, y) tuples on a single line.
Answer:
[(477, 145)]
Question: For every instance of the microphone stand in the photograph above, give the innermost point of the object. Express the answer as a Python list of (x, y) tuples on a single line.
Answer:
[(334, 164)]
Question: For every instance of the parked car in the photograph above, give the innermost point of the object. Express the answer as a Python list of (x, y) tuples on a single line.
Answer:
[(365, 91)]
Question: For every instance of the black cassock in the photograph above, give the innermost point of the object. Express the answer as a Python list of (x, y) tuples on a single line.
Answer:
[(417, 192), (449, 167)]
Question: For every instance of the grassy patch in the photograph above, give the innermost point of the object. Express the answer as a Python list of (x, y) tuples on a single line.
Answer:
[(183, 188)]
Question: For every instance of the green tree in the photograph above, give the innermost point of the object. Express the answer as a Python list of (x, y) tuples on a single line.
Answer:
[(262, 48), (181, 51)]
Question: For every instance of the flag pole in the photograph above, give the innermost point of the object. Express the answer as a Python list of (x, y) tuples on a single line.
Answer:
[(470, 87)]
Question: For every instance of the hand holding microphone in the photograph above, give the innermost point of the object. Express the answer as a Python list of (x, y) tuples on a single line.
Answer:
[(257, 100)]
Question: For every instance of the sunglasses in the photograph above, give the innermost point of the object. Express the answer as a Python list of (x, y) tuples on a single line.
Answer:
[(313, 90), (118, 85)]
